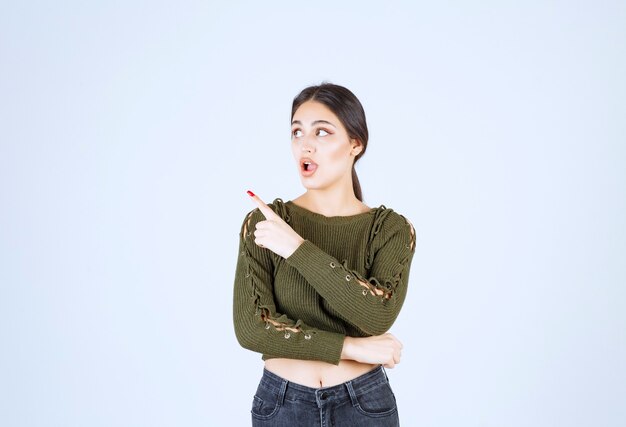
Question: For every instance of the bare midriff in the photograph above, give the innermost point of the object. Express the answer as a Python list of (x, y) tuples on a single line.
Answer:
[(316, 374)]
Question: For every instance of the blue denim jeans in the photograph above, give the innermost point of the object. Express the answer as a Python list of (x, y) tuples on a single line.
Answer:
[(363, 401)]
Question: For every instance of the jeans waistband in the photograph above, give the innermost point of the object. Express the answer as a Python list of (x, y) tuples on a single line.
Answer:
[(339, 392)]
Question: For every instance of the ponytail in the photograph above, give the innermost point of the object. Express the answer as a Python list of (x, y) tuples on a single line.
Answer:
[(356, 186)]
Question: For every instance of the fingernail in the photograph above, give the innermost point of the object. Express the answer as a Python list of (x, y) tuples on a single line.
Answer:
[(250, 193)]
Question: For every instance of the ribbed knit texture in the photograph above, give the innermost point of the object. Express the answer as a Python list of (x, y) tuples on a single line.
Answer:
[(348, 278)]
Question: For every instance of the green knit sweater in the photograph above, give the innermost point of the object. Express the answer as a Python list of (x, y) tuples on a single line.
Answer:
[(348, 278)]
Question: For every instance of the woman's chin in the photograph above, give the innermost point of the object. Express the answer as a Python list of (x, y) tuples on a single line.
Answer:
[(309, 184)]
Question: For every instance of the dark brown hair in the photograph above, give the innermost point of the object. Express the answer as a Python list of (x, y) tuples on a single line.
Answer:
[(345, 105)]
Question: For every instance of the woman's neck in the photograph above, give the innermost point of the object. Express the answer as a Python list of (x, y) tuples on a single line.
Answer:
[(335, 203)]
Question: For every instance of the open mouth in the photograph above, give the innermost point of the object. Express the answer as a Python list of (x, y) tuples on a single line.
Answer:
[(308, 166)]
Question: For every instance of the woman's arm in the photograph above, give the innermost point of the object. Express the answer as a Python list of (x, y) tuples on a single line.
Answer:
[(258, 326), (371, 304)]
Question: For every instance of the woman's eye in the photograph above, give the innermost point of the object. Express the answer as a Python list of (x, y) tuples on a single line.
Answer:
[(320, 132)]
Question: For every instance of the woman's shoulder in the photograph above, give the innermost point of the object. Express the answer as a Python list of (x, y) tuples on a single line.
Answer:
[(391, 217), (388, 222)]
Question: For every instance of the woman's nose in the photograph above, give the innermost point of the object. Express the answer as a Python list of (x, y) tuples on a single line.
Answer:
[(307, 145)]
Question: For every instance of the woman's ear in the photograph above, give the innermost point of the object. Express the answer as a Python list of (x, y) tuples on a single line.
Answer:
[(357, 147)]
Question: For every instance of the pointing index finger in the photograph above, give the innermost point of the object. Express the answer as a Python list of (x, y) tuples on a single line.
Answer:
[(265, 210)]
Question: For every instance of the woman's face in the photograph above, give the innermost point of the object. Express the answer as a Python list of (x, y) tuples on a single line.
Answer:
[(319, 138)]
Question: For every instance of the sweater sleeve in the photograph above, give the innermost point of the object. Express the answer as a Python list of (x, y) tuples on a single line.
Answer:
[(371, 304), (258, 326)]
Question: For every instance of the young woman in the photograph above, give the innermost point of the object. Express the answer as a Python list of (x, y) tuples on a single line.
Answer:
[(321, 278)]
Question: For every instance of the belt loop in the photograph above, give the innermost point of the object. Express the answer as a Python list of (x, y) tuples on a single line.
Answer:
[(282, 392), (351, 392), (384, 372)]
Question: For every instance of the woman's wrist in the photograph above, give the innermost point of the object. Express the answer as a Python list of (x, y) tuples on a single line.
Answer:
[(299, 241), (348, 345)]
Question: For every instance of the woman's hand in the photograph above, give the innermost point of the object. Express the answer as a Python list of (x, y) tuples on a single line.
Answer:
[(274, 233), (379, 349)]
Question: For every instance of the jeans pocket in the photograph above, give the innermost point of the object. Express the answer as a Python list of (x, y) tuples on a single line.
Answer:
[(377, 402), (265, 404)]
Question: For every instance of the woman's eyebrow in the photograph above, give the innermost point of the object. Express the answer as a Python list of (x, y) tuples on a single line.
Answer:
[(298, 122)]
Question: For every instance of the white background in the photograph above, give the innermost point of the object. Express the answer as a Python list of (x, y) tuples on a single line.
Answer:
[(130, 132)]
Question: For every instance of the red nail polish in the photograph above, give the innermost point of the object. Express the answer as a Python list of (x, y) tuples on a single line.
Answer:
[(250, 193)]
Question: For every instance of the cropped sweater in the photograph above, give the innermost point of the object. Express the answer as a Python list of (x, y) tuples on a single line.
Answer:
[(348, 278)]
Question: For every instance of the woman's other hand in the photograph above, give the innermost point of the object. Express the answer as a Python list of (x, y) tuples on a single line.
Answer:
[(382, 349), (274, 233)]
